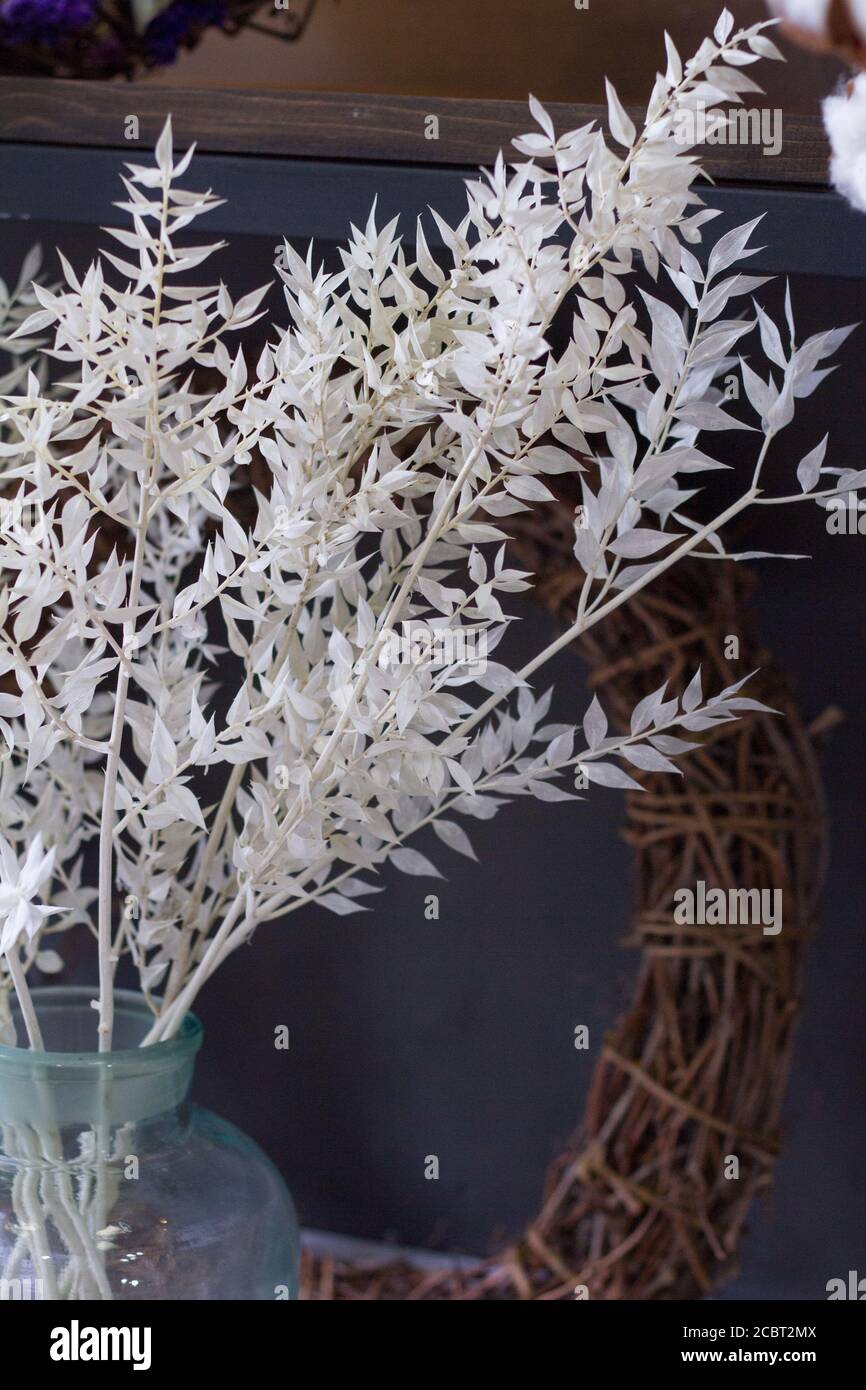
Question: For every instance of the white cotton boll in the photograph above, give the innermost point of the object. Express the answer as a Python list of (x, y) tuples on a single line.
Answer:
[(845, 123), (857, 11), (808, 15)]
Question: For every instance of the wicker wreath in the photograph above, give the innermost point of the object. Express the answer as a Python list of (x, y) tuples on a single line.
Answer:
[(639, 1206)]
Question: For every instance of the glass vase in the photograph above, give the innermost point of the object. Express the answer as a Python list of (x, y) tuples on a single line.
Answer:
[(114, 1186)]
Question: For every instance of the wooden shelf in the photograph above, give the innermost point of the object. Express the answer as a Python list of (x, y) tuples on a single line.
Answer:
[(340, 125)]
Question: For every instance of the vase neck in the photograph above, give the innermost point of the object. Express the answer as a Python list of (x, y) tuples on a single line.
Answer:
[(67, 1085)]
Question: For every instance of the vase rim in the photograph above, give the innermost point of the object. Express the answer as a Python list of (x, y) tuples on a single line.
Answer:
[(127, 1003)]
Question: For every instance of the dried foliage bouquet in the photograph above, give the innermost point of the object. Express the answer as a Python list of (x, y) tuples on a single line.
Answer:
[(409, 407)]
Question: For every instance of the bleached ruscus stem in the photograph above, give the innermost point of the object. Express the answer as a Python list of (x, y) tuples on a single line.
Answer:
[(295, 519)]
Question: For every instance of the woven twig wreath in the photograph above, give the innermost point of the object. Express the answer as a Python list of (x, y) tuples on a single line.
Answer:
[(639, 1206)]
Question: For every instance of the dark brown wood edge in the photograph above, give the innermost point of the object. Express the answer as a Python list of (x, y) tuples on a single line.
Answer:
[(341, 125)]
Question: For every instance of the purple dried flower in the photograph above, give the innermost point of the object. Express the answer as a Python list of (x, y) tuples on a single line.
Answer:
[(44, 21), (164, 35)]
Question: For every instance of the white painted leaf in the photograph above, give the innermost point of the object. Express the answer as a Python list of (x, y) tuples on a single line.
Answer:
[(621, 125), (609, 775), (594, 724), (163, 754), (693, 693), (648, 759), (455, 837), (640, 542), (411, 861), (809, 467)]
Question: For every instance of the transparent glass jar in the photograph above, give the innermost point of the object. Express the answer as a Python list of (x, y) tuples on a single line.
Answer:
[(113, 1186)]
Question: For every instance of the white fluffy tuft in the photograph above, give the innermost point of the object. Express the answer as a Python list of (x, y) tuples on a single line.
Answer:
[(845, 123), (857, 12), (808, 15)]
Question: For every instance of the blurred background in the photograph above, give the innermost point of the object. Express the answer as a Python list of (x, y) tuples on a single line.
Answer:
[(487, 48), (556, 49)]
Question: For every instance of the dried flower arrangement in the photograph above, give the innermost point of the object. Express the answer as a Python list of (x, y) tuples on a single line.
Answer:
[(405, 411)]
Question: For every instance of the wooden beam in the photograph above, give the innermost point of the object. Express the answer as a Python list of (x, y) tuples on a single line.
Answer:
[(339, 125)]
